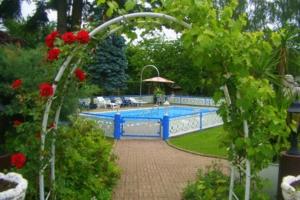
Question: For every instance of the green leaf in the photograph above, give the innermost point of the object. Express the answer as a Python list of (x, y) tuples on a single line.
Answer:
[(129, 5), (239, 143), (100, 2), (109, 12), (276, 39)]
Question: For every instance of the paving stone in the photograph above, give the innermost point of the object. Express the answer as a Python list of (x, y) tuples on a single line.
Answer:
[(152, 170)]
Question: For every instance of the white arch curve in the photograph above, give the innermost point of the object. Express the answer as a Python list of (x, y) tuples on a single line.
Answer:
[(136, 15), (141, 79)]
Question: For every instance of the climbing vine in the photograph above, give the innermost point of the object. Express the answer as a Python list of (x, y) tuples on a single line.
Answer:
[(242, 62)]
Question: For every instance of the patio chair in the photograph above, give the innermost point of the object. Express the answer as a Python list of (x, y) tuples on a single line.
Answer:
[(84, 103), (125, 102), (118, 101), (100, 101), (115, 100), (136, 102), (111, 104)]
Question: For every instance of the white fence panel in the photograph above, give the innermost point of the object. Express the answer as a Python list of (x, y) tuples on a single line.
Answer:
[(185, 124), (107, 125), (211, 119), (174, 100), (196, 101)]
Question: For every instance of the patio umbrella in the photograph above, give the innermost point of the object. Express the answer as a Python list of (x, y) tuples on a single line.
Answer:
[(158, 79)]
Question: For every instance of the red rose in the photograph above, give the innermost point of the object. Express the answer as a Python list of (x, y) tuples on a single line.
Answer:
[(17, 122), (16, 84), (83, 37), (46, 90), (53, 54), (80, 75), (18, 160), (49, 40), (68, 37)]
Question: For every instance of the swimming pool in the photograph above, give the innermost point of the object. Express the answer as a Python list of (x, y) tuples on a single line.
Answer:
[(155, 112), (163, 122)]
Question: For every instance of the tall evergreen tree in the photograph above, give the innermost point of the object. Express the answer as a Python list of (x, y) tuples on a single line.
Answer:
[(10, 9), (108, 70)]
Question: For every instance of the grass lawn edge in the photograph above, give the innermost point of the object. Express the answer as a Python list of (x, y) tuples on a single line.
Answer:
[(195, 153)]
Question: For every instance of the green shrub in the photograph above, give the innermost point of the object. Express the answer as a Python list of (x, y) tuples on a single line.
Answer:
[(26, 105), (85, 167), (209, 185), (214, 185)]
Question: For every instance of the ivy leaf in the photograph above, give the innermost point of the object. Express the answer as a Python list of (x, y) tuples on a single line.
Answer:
[(112, 6), (129, 5), (109, 12), (100, 2)]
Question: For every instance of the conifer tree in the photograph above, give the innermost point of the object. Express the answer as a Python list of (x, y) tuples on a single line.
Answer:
[(108, 69)]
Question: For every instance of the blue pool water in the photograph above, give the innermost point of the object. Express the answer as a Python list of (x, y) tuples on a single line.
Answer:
[(155, 112)]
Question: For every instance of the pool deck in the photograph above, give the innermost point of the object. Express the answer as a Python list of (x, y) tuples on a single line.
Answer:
[(152, 170)]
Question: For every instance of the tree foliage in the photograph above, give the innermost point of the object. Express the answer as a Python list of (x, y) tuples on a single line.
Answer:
[(222, 44), (173, 62), (10, 9), (108, 68)]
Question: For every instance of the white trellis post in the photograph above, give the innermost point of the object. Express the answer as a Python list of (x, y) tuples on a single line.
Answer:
[(58, 77), (248, 166)]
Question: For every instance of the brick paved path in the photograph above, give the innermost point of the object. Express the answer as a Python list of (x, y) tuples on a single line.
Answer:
[(152, 170)]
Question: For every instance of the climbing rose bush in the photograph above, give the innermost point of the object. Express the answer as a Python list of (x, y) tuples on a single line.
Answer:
[(31, 91), (68, 38), (53, 54), (83, 37), (16, 84), (46, 90), (18, 160), (80, 75), (49, 40)]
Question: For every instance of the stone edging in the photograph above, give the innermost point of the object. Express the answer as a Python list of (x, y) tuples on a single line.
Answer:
[(193, 152)]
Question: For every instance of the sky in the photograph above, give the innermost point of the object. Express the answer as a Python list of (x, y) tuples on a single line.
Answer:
[(29, 8), (166, 34)]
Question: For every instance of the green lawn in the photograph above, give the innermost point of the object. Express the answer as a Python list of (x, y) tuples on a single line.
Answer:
[(205, 142)]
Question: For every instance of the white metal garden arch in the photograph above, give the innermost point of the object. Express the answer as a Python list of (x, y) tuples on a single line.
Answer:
[(66, 63), (141, 79)]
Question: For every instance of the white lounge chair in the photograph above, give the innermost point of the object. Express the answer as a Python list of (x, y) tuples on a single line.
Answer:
[(135, 102), (85, 102), (111, 105), (118, 101), (100, 101)]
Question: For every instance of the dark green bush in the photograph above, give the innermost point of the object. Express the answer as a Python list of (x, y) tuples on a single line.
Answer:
[(85, 166), (209, 185)]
